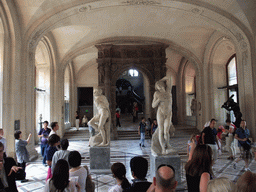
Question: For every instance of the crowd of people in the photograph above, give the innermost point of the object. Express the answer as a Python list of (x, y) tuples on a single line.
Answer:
[(203, 152), (65, 172)]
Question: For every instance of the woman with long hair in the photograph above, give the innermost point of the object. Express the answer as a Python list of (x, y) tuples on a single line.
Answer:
[(119, 172), (199, 168), (60, 179)]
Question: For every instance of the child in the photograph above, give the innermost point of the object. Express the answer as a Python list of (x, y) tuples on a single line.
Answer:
[(142, 130), (221, 134), (53, 141)]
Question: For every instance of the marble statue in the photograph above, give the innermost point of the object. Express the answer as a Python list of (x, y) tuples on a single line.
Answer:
[(163, 101), (101, 121)]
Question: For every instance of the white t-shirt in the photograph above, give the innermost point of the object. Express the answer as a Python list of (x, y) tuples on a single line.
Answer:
[(61, 154), (71, 187), (52, 132), (82, 175), (115, 188)]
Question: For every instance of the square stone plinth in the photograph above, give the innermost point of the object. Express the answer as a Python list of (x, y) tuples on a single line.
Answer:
[(173, 160), (100, 157)]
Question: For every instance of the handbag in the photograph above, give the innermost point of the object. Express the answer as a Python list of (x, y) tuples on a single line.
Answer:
[(90, 185), (20, 174)]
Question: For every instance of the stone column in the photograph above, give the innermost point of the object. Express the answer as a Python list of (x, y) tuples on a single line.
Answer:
[(107, 81), (59, 102), (157, 71), (27, 124), (113, 112), (101, 73)]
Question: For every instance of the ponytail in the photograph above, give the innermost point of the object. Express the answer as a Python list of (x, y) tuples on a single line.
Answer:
[(125, 184)]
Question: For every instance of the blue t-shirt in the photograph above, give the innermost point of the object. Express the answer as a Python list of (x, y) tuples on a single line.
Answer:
[(242, 133), (143, 127), (45, 133), (50, 152)]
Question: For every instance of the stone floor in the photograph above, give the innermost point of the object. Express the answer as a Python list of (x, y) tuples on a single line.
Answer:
[(123, 151)]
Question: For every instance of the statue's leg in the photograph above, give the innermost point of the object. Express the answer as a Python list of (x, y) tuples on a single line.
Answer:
[(103, 135), (160, 120), (93, 121), (102, 123), (167, 126), (166, 130)]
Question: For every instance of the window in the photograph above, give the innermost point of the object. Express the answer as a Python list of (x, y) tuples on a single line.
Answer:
[(133, 73), (232, 77), (232, 86)]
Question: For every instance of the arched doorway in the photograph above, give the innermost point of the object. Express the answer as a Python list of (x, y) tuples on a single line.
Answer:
[(114, 59), (130, 91), (190, 92), (223, 78), (67, 98), (42, 88)]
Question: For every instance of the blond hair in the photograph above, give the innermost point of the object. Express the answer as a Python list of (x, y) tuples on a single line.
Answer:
[(221, 184), (246, 182)]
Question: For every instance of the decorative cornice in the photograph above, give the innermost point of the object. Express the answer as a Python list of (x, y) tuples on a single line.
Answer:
[(141, 2)]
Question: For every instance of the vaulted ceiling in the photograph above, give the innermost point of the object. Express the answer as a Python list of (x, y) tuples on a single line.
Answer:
[(185, 25)]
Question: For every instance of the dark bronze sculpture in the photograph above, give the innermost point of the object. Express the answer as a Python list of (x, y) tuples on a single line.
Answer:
[(231, 105)]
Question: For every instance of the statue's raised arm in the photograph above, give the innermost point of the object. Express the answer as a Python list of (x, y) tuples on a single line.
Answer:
[(163, 91)]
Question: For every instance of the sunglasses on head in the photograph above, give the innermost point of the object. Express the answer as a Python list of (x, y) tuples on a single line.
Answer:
[(162, 165)]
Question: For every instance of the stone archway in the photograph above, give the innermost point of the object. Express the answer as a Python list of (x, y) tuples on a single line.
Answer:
[(113, 59)]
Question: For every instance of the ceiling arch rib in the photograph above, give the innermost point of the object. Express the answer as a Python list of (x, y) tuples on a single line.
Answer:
[(37, 10), (141, 24)]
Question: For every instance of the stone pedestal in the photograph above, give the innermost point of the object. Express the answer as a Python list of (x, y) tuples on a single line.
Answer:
[(100, 158), (173, 160)]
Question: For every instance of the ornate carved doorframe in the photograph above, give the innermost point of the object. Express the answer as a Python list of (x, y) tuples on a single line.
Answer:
[(114, 59)]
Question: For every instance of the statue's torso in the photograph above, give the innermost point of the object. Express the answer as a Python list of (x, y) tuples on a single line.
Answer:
[(165, 104)]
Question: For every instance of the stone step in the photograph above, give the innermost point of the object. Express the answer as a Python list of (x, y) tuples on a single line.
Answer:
[(83, 133)]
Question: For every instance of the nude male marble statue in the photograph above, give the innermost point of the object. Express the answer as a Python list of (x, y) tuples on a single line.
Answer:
[(101, 121), (163, 101)]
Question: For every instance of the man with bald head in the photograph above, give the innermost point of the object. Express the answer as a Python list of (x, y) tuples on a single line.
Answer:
[(164, 181)]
